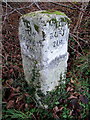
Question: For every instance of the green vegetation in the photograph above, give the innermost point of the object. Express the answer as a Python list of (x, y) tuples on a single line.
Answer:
[(53, 12), (36, 27)]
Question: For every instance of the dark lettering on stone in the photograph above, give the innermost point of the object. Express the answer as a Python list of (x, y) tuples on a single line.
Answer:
[(60, 31), (43, 35), (33, 42), (59, 23), (60, 41), (26, 23), (34, 34), (54, 44), (63, 32), (57, 43), (51, 35), (43, 22), (28, 32), (56, 35)]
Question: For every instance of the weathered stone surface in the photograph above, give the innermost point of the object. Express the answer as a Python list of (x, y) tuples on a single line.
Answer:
[(44, 40)]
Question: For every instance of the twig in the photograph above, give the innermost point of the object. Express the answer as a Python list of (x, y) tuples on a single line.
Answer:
[(2, 56), (8, 13), (17, 9), (78, 43), (8, 4), (37, 6), (78, 38), (12, 8), (80, 9), (75, 50), (84, 6), (25, 7), (34, 116), (63, 5), (9, 86)]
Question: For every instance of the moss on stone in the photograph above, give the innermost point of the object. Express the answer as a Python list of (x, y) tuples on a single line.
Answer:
[(36, 27), (54, 20), (49, 12), (54, 12), (29, 14), (65, 19), (44, 11)]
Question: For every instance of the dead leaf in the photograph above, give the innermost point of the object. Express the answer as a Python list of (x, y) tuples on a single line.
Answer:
[(27, 95), (10, 71), (12, 95), (10, 104), (55, 109), (76, 94), (69, 89), (17, 89), (72, 97), (26, 105), (72, 81), (61, 109), (10, 81), (21, 106), (55, 116), (71, 112), (19, 98)]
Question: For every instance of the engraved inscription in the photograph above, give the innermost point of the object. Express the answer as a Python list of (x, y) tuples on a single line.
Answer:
[(57, 37), (57, 33), (57, 43)]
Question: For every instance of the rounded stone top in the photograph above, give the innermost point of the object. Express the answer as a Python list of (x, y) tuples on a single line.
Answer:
[(44, 12), (47, 13)]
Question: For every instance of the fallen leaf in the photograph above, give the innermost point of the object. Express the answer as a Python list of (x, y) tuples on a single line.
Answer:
[(10, 81), (72, 81), (26, 105), (69, 89), (10, 104), (61, 109), (71, 112), (76, 94), (55, 116), (55, 109), (72, 97), (19, 98), (27, 95), (10, 71), (12, 95), (17, 89)]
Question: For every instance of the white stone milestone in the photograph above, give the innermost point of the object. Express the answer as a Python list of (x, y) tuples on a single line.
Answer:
[(44, 42)]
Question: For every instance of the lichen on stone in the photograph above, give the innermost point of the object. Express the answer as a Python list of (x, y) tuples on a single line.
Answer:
[(36, 27)]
